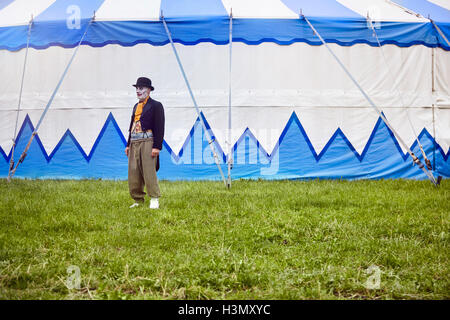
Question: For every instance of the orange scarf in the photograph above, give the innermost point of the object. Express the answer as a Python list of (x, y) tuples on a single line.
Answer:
[(140, 106)]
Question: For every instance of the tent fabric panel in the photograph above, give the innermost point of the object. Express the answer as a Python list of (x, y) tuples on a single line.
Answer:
[(256, 31), (313, 79), (442, 77), (192, 8), (380, 10), (436, 11), (293, 158), (4, 3), (129, 10), (19, 12), (442, 123), (61, 10), (442, 3), (213, 26), (321, 9), (249, 31), (130, 33), (265, 123), (126, 33), (427, 9), (313, 82), (263, 9)]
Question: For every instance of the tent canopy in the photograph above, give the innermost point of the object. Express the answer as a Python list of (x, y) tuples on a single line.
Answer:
[(128, 22), (295, 113)]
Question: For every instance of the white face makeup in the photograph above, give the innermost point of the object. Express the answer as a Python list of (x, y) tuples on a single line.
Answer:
[(142, 93)]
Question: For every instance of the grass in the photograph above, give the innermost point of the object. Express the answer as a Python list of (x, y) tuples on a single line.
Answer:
[(259, 240)]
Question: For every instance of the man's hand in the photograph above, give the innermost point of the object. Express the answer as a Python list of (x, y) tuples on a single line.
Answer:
[(155, 152), (127, 149)]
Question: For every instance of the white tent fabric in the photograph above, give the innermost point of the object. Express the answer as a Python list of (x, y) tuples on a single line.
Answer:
[(270, 83), (442, 3), (312, 82), (20, 11)]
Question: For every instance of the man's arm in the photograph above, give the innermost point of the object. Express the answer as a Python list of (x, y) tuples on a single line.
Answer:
[(158, 132)]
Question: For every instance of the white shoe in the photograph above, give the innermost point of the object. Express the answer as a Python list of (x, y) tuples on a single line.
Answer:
[(154, 203), (134, 205)]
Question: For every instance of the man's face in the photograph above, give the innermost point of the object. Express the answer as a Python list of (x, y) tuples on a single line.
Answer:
[(142, 93)]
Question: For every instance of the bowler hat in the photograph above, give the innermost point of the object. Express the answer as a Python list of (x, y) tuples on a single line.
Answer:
[(144, 82)]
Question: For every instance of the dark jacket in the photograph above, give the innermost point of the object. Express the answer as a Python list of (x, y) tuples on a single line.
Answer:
[(152, 118)]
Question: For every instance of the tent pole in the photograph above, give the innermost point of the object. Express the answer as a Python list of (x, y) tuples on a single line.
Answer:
[(433, 88), (210, 138), (427, 161), (11, 163), (416, 160), (433, 94), (24, 153), (230, 156)]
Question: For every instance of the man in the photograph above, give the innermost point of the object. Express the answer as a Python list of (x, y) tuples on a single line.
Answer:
[(144, 145)]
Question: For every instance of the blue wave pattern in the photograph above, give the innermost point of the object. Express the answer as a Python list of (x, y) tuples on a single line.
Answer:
[(293, 157)]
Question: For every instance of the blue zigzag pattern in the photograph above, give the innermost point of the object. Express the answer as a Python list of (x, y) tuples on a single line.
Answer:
[(292, 157)]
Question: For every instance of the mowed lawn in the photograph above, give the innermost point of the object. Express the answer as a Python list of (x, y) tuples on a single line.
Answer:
[(315, 239)]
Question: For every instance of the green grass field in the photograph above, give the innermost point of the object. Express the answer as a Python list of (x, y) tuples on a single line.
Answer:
[(259, 240)]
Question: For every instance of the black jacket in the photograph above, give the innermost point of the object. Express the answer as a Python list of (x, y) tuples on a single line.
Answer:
[(152, 118)]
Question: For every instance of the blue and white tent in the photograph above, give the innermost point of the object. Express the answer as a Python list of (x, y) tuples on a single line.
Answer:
[(295, 113)]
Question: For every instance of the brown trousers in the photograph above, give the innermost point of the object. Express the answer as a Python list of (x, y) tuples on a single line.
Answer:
[(142, 170)]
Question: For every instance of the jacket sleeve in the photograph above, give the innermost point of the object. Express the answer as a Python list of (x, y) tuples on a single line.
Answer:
[(158, 127)]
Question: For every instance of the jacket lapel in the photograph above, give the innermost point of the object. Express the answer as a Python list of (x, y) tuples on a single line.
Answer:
[(147, 107), (132, 116)]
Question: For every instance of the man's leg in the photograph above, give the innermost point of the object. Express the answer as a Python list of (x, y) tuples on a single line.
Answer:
[(135, 178), (149, 169)]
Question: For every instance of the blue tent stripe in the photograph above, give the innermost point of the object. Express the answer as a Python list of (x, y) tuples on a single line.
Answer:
[(68, 135), (112, 121), (320, 8), (7, 158), (192, 8), (27, 122), (440, 15), (338, 133), (111, 129), (249, 31), (60, 9), (426, 9), (4, 3)]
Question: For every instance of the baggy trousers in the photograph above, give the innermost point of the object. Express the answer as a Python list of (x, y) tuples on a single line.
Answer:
[(142, 170)]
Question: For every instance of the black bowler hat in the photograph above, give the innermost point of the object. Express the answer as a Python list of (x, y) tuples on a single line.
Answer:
[(144, 82)]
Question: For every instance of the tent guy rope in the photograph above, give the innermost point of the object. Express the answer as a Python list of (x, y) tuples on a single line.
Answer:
[(404, 107), (440, 32), (230, 155), (24, 153), (210, 138), (415, 159), (11, 162)]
